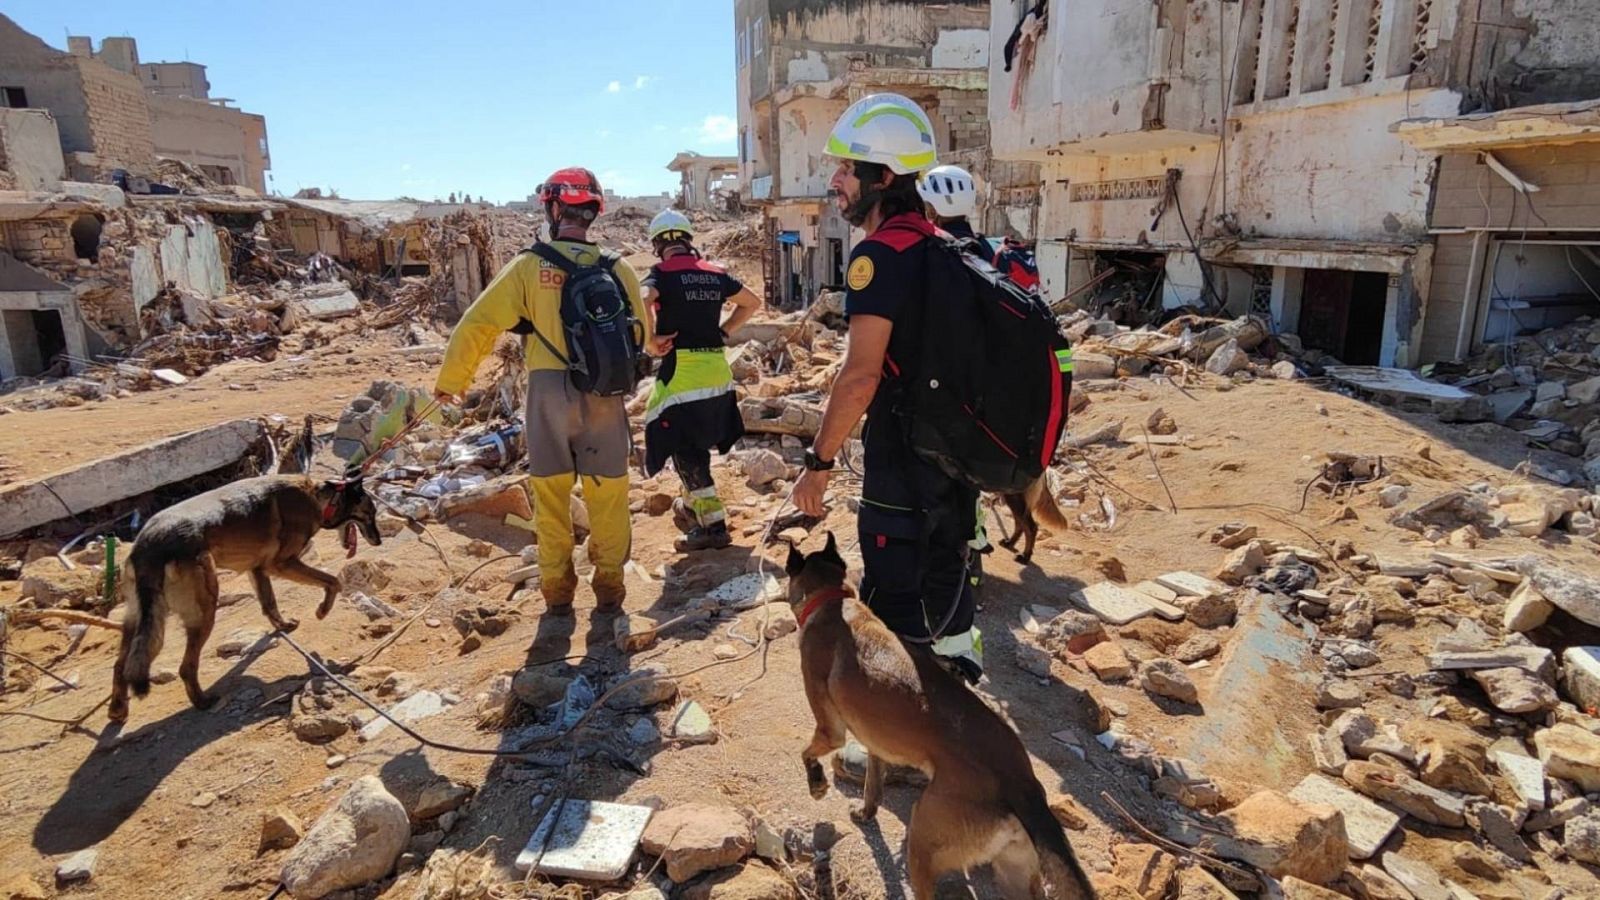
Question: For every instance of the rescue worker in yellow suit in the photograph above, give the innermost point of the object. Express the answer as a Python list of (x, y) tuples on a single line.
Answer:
[(570, 434)]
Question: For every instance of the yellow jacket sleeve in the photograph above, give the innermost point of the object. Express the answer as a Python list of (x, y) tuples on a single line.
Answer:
[(630, 284), (495, 311)]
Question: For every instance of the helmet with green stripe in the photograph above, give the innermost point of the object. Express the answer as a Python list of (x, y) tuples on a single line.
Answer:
[(886, 129)]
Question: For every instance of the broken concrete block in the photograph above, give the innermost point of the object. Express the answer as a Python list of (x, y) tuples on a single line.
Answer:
[(1284, 838), (1242, 563), (1514, 690), (1148, 869), (1524, 772), (1033, 659), (77, 867), (1213, 611), (584, 839), (1338, 695), (1168, 678), (354, 842), (1373, 883), (132, 473), (691, 724), (1528, 609), (1200, 646), (697, 837), (1502, 827), (328, 301), (280, 829), (1108, 662), (1227, 359), (1195, 883), (752, 880), (1406, 793), (1367, 825), (1452, 767), (1072, 632), (1566, 810), (1328, 752), (439, 798), (1570, 752), (1582, 838)]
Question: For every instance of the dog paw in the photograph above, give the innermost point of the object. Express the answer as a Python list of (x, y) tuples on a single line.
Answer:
[(861, 815), (288, 625), (816, 780), (324, 608), (205, 701), (118, 711), (1024, 558)]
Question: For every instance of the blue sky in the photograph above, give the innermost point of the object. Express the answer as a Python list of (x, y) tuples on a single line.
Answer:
[(379, 100)]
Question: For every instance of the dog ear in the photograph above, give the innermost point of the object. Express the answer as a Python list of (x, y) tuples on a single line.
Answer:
[(831, 551), (795, 562)]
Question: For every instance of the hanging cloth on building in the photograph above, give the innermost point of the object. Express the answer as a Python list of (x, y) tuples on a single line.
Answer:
[(1024, 43)]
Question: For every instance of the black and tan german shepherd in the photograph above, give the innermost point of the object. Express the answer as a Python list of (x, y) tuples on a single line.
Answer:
[(256, 525), (983, 804)]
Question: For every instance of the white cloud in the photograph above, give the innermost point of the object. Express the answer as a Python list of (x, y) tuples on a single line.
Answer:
[(717, 129), (640, 82), (405, 167), (614, 87)]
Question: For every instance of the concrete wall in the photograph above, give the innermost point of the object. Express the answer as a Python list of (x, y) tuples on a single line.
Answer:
[(30, 149), (179, 79), (1106, 71), (1529, 51), (205, 134), (803, 126)]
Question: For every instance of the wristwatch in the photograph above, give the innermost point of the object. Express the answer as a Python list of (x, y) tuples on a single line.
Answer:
[(816, 463)]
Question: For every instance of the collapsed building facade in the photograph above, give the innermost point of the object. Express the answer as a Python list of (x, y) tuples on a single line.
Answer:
[(1251, 156), (800, 63), (704, 181)]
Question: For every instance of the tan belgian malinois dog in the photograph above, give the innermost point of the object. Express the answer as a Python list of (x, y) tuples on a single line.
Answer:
[(256, 525), (1028, 510), (982, 803)]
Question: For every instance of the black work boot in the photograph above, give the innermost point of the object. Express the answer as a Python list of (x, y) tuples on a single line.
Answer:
[(700, 537)]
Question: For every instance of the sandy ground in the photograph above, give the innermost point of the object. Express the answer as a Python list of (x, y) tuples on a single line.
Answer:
[(173, 800)]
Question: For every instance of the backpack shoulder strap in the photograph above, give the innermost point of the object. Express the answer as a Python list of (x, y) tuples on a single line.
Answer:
[(553, 256)]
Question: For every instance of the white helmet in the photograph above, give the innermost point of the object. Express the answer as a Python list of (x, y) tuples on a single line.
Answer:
[(887, 129), (950, 190), (668, 221)]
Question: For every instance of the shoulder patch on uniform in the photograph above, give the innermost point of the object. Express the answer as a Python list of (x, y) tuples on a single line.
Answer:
[(860, 274)]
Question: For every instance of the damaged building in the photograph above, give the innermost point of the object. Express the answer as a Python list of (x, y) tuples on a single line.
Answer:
[(1246, 156), (800, 63), (705, 181)]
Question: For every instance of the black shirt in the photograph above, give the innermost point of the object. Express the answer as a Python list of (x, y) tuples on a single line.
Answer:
[(885, 277), (691, 294)]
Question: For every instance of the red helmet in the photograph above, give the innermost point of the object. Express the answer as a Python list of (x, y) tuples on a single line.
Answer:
[(573, 187)]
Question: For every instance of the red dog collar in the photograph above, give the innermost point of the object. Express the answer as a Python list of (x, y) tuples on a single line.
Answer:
[(828, 595)]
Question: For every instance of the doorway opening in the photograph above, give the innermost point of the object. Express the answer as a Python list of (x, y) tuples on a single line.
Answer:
[(1341, 313), (36, 337)]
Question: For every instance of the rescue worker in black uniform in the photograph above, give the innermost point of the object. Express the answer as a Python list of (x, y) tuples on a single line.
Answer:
[(915, 521), (692, 408)]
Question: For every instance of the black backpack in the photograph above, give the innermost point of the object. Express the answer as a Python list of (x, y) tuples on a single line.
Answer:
[(987, 402), (603, 336)]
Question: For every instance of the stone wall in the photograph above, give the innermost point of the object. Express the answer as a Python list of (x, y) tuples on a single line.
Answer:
[(42, 243)]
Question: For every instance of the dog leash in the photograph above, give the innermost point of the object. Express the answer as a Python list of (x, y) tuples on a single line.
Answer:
[(389, 444)]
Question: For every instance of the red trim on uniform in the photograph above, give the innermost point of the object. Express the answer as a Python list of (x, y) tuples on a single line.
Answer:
[(687, 262), (888, 361), (328, 512), (901, 233), (992, 436), (826, 595), (1053, 423)]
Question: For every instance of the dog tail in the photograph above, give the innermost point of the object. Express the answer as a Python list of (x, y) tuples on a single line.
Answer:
[(144, 622), (1061, 867), (1043, 504)]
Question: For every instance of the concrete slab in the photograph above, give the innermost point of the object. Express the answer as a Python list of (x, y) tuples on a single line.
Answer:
[(1157, 591), (1114, 604), (1532, 659), (30, 504), (414, 708), (747, 591), (1418, 877), (1241, 731), (1395, 382), (585, 839), (1526, 774), (1188, 584), (1367, 824), (329, 301)]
